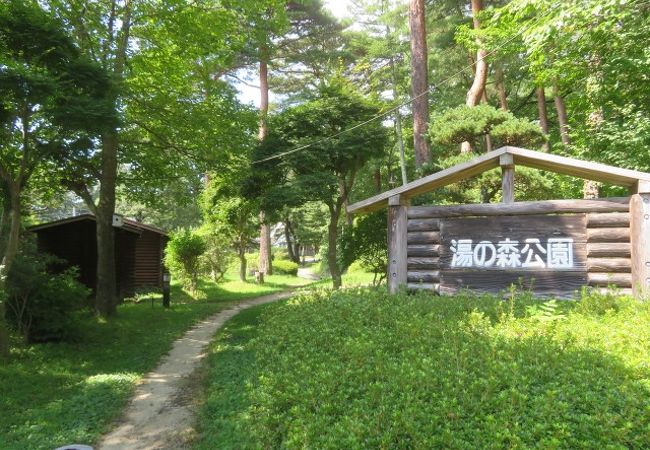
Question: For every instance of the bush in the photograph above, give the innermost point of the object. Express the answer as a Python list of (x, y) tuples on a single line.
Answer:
[(218, 254), (286, 267), (182, 257), (363, 369), (39, 303), (366, 243), (253, 261)]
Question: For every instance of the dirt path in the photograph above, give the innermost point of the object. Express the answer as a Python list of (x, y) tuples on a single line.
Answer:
[(159, 415)]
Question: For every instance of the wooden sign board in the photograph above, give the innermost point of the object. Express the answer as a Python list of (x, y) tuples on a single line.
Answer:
[(544, 253), (542, 246)]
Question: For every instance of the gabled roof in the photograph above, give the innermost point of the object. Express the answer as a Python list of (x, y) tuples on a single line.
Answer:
[(129, 225), (529, 158)]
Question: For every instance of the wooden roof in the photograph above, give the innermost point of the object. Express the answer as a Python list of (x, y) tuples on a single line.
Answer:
[(529, 158), (129, 225)]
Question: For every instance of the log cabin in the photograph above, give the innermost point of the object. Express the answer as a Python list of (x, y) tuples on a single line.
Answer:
[(139, 250)]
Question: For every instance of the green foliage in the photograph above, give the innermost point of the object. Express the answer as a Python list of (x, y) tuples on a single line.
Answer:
[(183, 256), (362, 369), (366, 242), (218, 255), (253, 261), (286, 267), (464, 123), (40, 304)]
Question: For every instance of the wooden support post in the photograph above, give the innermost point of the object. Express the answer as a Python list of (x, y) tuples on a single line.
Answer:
[(640, 240), (397, 228), (507, 164)]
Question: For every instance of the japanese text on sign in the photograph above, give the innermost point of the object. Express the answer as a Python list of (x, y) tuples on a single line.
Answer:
[(556, 254)]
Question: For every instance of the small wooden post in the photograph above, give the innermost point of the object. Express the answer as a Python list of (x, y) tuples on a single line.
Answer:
[(507, 177), (397, 227), (640, 240)]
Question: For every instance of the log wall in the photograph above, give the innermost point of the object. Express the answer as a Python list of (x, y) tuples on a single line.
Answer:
[(603, 250)]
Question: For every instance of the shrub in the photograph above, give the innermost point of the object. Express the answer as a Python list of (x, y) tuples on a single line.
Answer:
[(286, 267), (39, 303), (182, 257), (366, 243), (218, 255), (253, 261), (363, 369)]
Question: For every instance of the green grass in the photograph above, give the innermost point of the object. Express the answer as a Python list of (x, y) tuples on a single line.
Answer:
[(61, 393), (361, 369)]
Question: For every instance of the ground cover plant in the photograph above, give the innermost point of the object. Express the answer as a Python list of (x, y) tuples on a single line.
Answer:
[(59, 393), (361, 369)]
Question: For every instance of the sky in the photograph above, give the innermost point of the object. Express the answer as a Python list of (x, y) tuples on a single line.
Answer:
[(251, 95)]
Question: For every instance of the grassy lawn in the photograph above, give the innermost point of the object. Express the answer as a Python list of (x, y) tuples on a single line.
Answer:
[(361, 369), (56, 394)]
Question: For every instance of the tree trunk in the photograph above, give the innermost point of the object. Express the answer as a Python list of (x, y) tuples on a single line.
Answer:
[(501, 88), (561, 115), (106, 294), (475, 92), (11, 250), (5, 220), (541, 111), (398, 118), (590, 189), (419, 82), (488, 138), (106, 286), (265, 262), (13, 237), (242, 262), (332, 233)]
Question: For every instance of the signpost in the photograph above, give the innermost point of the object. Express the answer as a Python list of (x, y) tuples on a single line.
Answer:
[(551, 247)]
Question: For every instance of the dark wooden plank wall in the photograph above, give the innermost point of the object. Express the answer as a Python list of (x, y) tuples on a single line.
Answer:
[(148, 259), (602, 255)]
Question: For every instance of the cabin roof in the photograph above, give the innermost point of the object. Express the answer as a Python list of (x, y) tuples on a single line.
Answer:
[(129, 225), (520, 156)]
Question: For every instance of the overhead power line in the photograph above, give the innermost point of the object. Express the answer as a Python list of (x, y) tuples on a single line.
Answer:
[(407, 102)]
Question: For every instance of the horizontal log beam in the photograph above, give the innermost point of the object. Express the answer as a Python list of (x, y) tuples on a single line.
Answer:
[(608, 235), (424, 286), (609, 265), (431, 276), (424, 225), (608, 249), (422, 263), (623, 280), (423, 250), (614, 204), (608, 220), (423, 237), (617, 291)]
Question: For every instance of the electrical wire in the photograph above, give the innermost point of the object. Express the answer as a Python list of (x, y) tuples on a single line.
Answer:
[(407, 102)]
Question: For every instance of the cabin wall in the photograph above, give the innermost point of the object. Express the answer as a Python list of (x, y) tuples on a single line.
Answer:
[(148, 259)]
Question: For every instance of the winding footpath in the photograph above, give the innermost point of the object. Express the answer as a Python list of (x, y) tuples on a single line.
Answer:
[(160, 414)]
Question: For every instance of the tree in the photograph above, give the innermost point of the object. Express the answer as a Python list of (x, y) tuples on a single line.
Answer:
[(477, 89), (51, 100), (228, 213), (419, 82), (327, 169), (467, 124)]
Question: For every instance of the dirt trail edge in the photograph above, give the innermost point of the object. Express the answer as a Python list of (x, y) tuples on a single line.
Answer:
[(155, 419)]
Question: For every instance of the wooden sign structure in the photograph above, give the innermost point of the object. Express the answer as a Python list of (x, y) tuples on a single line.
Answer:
[(551, 247)]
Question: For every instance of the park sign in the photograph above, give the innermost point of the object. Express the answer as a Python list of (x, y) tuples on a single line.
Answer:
[(551, 247)]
